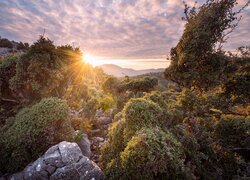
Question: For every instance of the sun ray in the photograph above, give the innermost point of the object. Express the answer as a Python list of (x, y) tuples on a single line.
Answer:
[(90, 59)]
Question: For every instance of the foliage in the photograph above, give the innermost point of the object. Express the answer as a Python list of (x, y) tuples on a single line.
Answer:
[(5, 43), (195, 61), (110, 85), (76, 94), (34, 130), (144, 84), (232, 131), (141, 113), (106, 102), (7, 71), (138, 117), (81, 124), (90, 107), (154, 154), (22, 46), (237, 88), (115, 144), (46, 59)]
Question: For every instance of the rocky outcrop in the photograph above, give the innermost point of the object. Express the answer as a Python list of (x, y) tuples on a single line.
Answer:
[(84, 144), (63, 161), (99, 134), (103, 118)]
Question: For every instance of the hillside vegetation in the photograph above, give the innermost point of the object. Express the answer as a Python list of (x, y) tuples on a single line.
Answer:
[(190, 122)]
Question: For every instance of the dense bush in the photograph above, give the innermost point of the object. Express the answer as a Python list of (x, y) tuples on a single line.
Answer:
[(237, 88), (55, 65), (34, 130), (154, 154), (110, 85), (144, 84), (106, 102), (141, 113), (90, 107), (82, 124), (136, 144), (7, 71), (76, 94), (5, 43), (115, 144), (22, 46), (232, 131)]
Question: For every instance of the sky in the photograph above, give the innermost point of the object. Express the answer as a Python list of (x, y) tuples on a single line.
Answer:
[(130, 33)]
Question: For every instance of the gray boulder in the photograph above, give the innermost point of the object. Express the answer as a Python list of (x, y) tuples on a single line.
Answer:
[(63, 161), (84, 144)]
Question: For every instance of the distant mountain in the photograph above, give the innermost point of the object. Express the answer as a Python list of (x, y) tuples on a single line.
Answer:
[(118, 71)]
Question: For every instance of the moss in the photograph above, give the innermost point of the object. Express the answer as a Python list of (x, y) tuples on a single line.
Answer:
[(35, 129)]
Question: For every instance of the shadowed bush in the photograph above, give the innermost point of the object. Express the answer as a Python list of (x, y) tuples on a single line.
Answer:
[(232, 131), (35, 129)]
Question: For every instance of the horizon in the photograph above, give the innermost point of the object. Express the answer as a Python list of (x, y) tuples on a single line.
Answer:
[(135, 64), (134, 34)]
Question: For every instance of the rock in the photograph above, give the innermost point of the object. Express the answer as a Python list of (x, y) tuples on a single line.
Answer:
[(74, 113), (104, 120), (70, 152), (84, 145), (62, 161), (95, 132), (98, 113), (17, 176), (99, 139)]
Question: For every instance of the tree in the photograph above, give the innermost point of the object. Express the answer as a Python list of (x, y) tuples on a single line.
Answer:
[(45, 70), (5, 43), (143, 84), (196, 61), (237, 85), (22, 46)]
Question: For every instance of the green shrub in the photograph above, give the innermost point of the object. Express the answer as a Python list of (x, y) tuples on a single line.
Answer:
[(144, 84), (153, 154), (172, 114), (111, 149), (7, 71), (110, 85), (35, 129), (139, 113), (78, 123), (157, 97), (5, 43), (90, 107), (237, 88), (232, 131), (106, 102)]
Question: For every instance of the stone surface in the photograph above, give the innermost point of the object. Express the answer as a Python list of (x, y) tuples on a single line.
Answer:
[(84, 143), (104, 120), (63, 161)]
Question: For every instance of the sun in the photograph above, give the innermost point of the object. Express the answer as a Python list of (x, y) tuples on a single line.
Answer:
[(89, 59)]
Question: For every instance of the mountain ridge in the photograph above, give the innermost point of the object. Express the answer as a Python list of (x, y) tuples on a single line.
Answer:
[(118, 71)]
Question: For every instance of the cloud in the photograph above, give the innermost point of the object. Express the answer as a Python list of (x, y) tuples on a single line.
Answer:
[(106, 28)]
